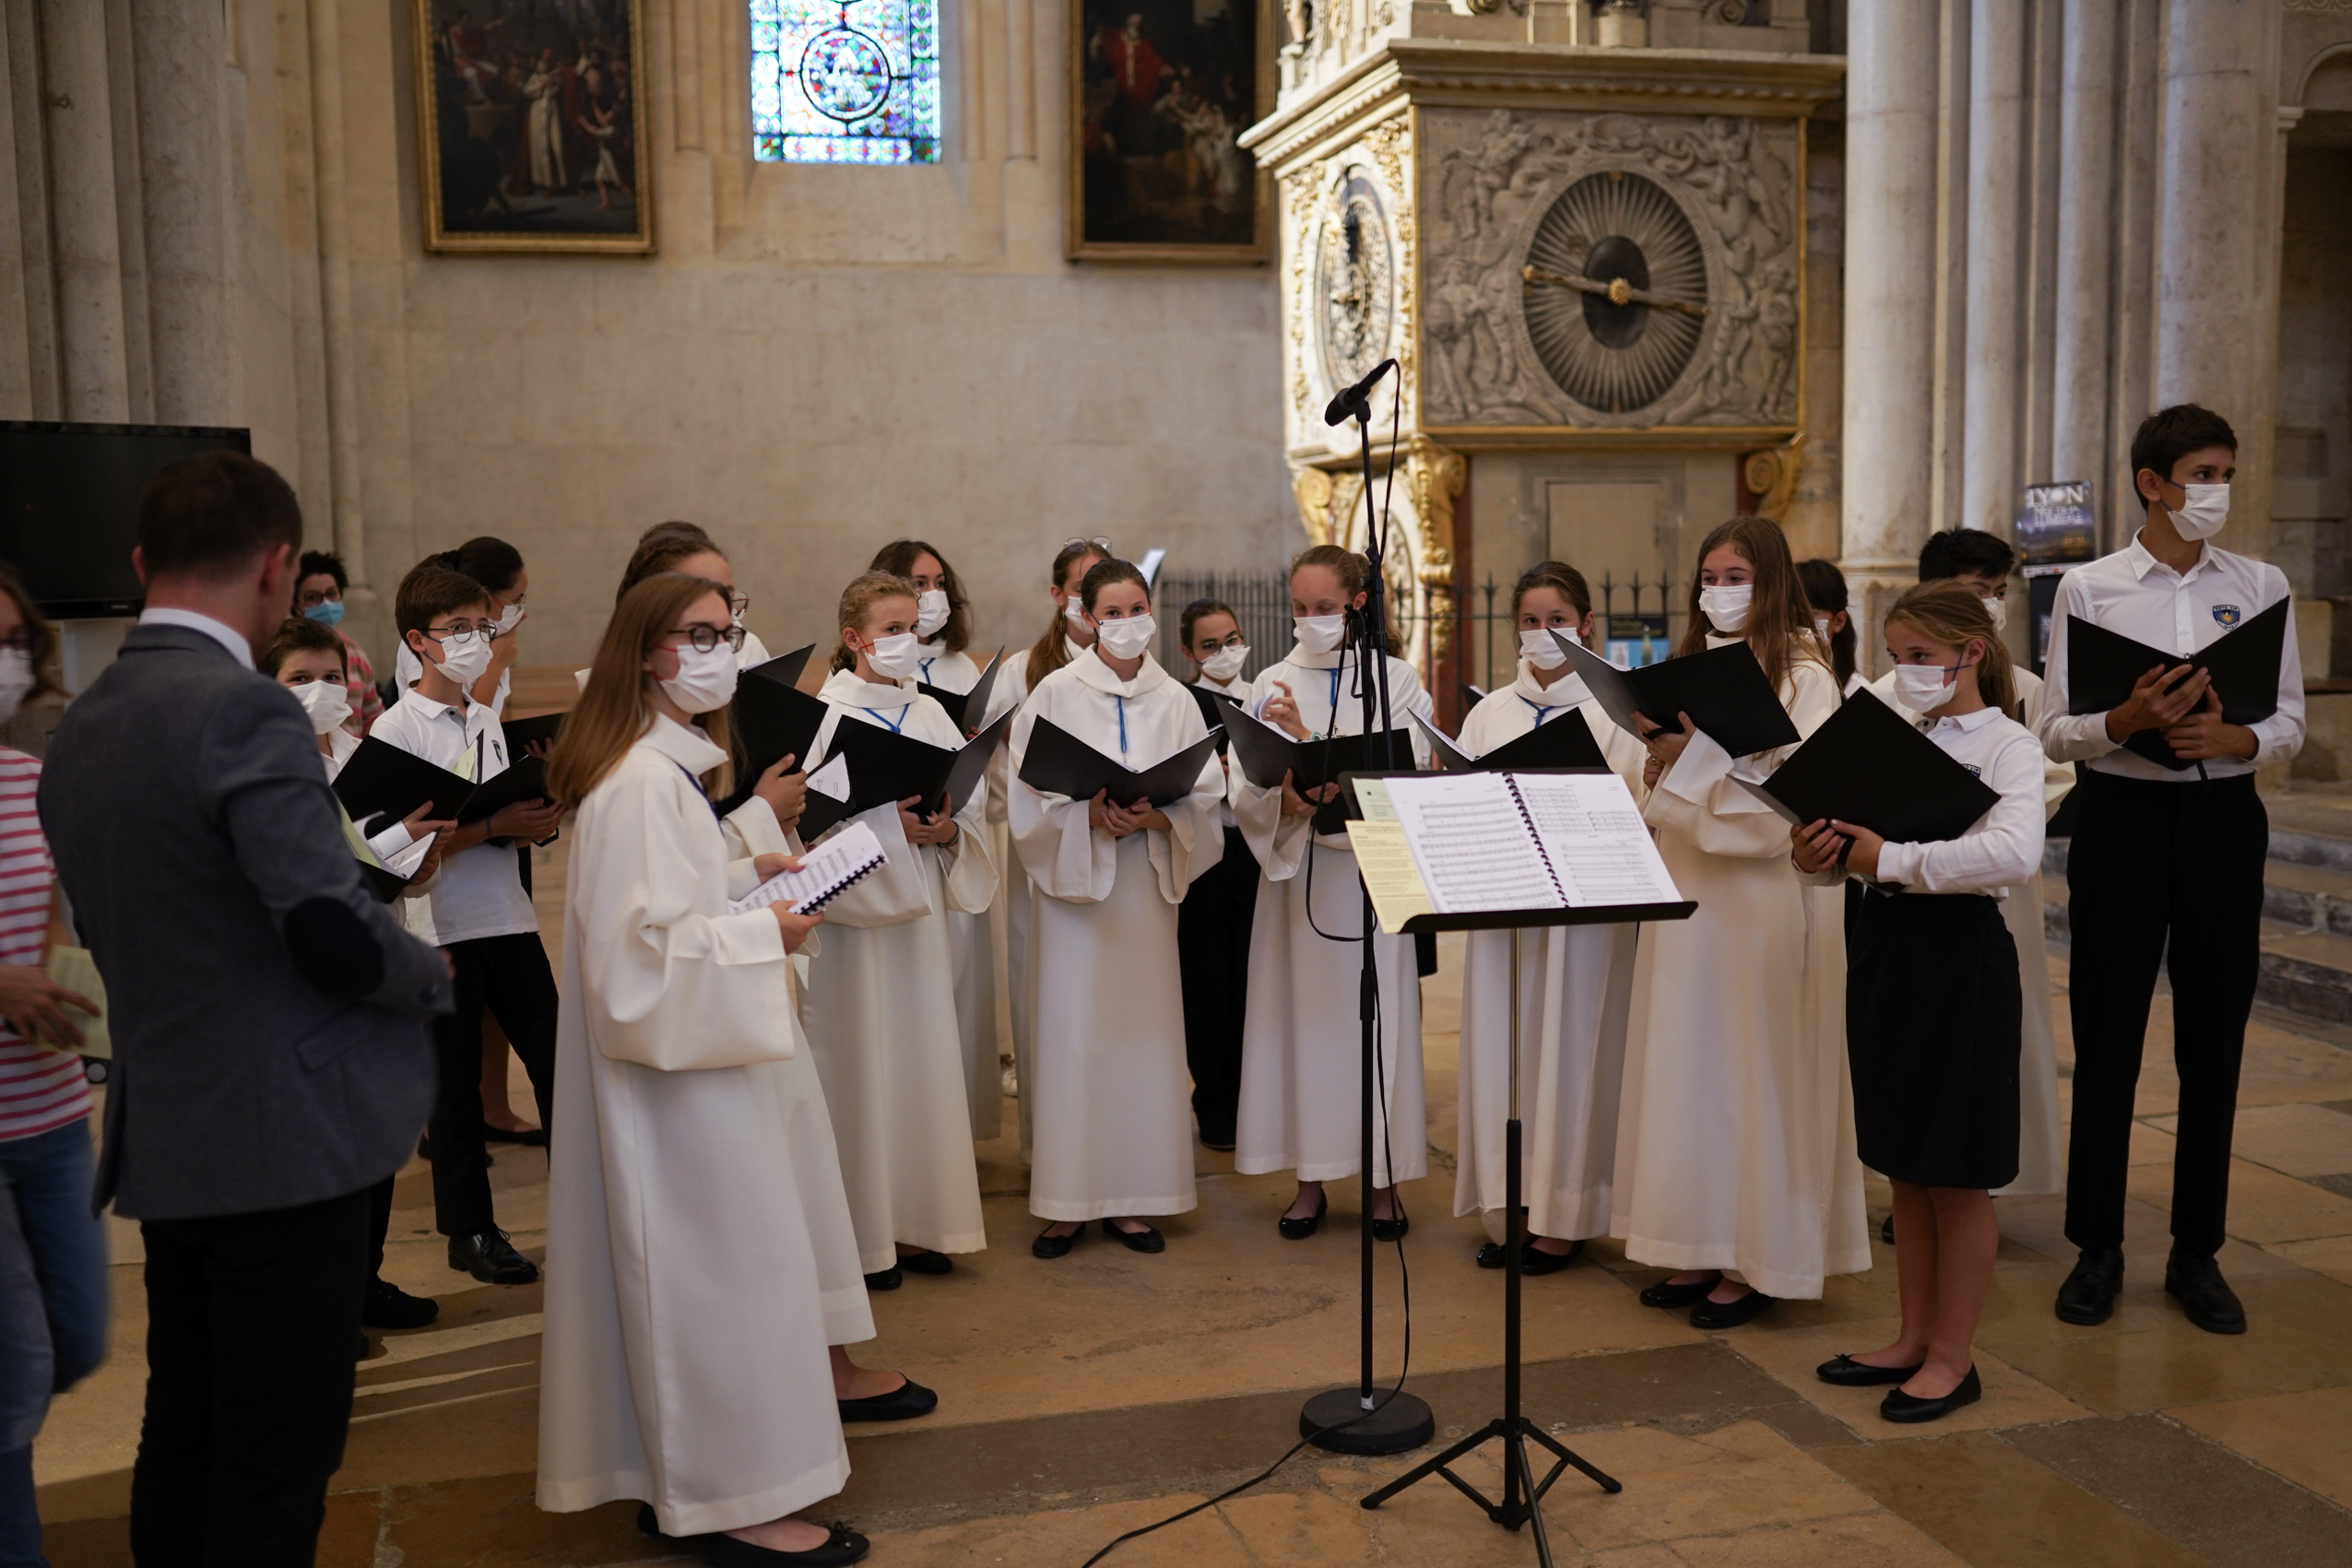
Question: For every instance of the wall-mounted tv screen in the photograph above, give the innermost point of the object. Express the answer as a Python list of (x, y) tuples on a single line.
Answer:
[(69, 505)]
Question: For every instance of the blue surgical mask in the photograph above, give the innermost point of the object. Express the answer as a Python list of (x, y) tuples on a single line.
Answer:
[(326, 612)]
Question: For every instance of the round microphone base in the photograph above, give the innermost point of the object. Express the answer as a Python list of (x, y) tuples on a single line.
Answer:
[(1336, 1420)]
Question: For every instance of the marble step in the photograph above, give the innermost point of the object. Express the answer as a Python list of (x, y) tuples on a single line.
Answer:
[(2306, 967)]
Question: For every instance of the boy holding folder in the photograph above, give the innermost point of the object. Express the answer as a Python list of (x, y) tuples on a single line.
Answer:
[(2165, 854)]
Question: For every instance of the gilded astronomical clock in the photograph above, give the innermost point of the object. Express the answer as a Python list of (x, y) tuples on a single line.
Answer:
[(1614, 291), (1355, 280)]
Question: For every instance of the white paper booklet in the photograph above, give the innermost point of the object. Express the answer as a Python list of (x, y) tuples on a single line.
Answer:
[(1527, 840), (832, 866)]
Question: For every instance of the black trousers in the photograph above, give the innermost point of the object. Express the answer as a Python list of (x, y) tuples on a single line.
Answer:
[(251, 1319), (1213, 947), (510, 976), (379, 1223), (2170, 873)]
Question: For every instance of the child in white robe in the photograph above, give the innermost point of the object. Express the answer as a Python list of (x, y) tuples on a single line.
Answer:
[(881, 1004), (1576, 982), (1106, 1091), (1735, 1136), (1302, 1047)]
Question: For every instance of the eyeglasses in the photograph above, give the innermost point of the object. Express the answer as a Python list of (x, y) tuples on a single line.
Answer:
[(18, 642), (320, 596), (705, 637), (456, 634), (1097, 542)]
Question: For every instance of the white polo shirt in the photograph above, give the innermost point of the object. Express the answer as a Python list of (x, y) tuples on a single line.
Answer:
[(480, 892), (2135, 595)]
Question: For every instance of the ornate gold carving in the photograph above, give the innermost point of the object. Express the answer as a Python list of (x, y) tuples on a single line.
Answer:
[(1313, 487), (1771, 477), (1433, 478)]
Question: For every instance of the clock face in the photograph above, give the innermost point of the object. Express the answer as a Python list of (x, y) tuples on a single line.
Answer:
[(1614, 291), (1355, 282)]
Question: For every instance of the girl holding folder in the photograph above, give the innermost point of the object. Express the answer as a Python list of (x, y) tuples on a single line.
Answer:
[(1735, 1145), (1301, 1052), (1935, 1053), (881, 1004), (1106, 1093), (1576, 982)]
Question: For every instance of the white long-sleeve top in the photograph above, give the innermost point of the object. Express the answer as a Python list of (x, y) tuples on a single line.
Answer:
[(1323, 685), (2135, 595), (2057, 777), (2003, 848)]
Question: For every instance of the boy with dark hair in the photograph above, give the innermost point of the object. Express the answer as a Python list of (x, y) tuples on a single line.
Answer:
[(2167, 864), (481, 916)]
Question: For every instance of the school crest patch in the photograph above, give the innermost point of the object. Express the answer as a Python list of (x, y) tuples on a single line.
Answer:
[(2227, 615)]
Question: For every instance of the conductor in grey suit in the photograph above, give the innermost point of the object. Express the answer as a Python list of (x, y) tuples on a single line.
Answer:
[(270, 1020)]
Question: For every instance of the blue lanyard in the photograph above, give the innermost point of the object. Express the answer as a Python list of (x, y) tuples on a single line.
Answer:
[(898, 728), (926, 677), (1122, 722), (1540, 713), (1333, 717)]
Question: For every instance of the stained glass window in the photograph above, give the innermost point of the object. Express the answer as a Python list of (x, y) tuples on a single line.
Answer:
[(845, 81)]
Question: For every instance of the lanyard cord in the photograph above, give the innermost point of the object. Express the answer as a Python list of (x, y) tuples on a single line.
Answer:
[(898, 728), (1122, 722), (1541, 713)]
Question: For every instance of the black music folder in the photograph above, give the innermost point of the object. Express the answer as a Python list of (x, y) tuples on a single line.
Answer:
[(383, 782), (522, 734), (1564, 742), (1869, 766), (386, 886), (966, 707), (885, 766), (523, 779), (774, 720), (1266, 753), (1723, 689), (1214, 706), (1057, 762), (785, 669), (2103, 665)]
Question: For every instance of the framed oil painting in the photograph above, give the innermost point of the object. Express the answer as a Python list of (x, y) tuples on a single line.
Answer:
[(531, 125), (1160, 92)]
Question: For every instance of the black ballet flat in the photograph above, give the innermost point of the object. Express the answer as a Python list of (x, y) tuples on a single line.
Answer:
[(1673, 1297), (1911, 1409), (1300, 1229), (1535, 1260), (1847, 1372), (1731, 1315), (903, 1403), (1491, 1255), (843, 1546), (1047, 1245), (529, 1138), (927, 1263), (888, 1280), (1394, 1229), (1886, 1229), (1144, 1240)]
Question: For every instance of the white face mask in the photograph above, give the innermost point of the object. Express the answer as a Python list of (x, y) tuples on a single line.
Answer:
[(1821, 628), (16, 680), (1126, 637), (894, 657), (1074, 612), (1925, 688), (1539, 648), (704, 681), (931, 611), (1225, 663), (2201, 515), (328, 704), (509, 617), (1727, 605), (465, 661), (1321, 633), (1998, 611)]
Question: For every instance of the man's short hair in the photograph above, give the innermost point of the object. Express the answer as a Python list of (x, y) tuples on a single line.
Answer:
[(2170, 434), (1956, 550), (324, 563), (431, 592), (301, 634), (213, 514)]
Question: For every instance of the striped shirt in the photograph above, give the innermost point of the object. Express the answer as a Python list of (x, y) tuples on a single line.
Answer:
[(41, 1087)]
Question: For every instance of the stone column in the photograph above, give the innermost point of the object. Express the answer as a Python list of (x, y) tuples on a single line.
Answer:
[(85, 232), (184, 188), (2085, 225), (1890, 300), (1992, 375)]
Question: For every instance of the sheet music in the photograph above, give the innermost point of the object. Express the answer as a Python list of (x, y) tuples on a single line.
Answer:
[(1594, 836), (1472, 844), (824, 871)]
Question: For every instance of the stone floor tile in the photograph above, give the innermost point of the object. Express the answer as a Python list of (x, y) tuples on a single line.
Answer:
[(1741, 1477), (2331, 1255), (2263, 1206), (2157, 1359), (2010, 1398), (490, 1522), (2306, 1437), (2282, 1066), (1071, 1537), (1876, 1539), (2296, 1139)]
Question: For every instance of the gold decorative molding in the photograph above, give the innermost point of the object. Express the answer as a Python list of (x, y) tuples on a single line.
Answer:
[(1313, 487), (1771, 477)]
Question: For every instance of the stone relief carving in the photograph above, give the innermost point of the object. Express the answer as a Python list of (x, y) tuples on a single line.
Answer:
[(1491, 177)]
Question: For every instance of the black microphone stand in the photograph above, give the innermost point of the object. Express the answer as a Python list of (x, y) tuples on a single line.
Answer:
[(1364, 1418)]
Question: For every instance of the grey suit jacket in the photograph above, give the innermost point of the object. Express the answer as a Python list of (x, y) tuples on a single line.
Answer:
[(268, 1015)]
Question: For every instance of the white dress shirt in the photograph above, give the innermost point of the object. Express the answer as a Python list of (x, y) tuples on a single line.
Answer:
[(480, 892), (228, 637), (2001, 849), (2135, 595)]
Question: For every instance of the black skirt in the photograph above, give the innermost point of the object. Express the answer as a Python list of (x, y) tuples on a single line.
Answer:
[(1932, 1017)]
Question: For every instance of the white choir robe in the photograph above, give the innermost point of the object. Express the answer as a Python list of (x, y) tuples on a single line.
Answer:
[(1301, 1049), (688, 1312), (880, 1008), (971, 941), (1108, 1092), (1020, 895), (1735, 1128), (2041, 1137), (1576, 988)]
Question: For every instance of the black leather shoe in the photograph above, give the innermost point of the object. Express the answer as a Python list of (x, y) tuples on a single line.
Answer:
[(529, 1138), (1847, 1372), (843, 1546), (1217, 1136), (490, 1258), (360, 1351), (1886, 1229), (927, 1263), (2089, 1295), (2194, 1279), (905, 1402), (1491, 1255), (888, 1280), (1299, 1230), (1047, 1245), (1393, 1229), (1533, 1259), (1911, 1409), (649, 1526), (387, 1305), (1729, 1314), (1144, 1240), (1670, 1296)]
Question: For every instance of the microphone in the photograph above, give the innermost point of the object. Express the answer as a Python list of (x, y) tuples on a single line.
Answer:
[(1357, 399)]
